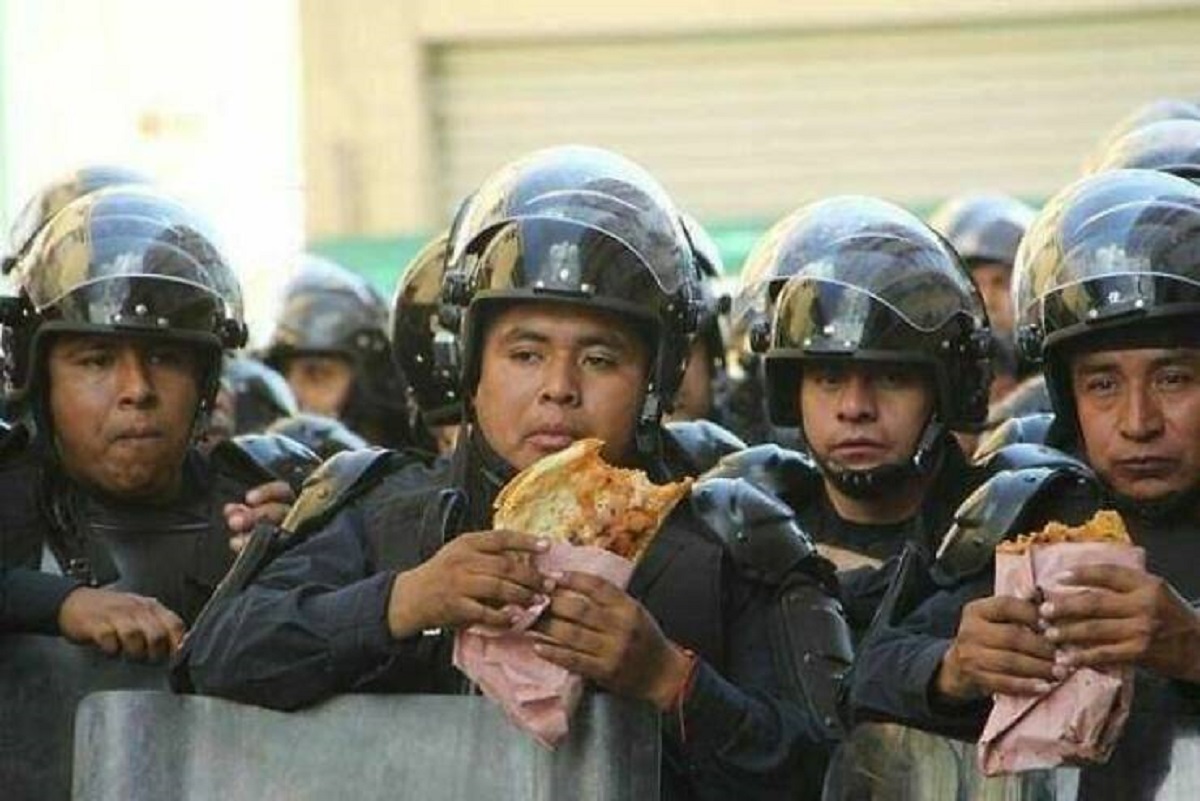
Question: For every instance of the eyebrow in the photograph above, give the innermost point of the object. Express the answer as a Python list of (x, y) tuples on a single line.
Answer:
[(1096, 364), (611, 339)]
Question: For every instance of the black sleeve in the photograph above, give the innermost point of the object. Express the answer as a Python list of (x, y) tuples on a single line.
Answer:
[(313, 624), (30, 600), (893, 675), (741, 733)]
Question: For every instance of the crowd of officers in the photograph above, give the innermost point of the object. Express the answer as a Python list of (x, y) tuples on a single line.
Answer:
[(877, 405)]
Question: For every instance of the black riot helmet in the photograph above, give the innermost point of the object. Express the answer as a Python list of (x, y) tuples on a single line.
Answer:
[(582, 226), (870, 282), (1112, 261), (1167, 146), (328, 310), (55, 196), (1167, 108), (125, 260), (983, 228), (710, 267), (261, 395), (424, 346)]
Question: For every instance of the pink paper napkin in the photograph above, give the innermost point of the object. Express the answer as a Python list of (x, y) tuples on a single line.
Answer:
[(1081, 717), (536, 695)]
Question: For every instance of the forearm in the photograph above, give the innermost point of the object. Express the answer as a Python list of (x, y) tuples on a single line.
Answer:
[(30, 600)]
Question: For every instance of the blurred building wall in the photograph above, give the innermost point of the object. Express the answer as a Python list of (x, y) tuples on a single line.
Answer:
[(744, 110)]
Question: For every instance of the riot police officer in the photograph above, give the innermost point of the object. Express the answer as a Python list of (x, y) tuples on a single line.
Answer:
[(1108, 296), (426, 345), (330, 342), (877, 352), (115, 342), (572, 276)]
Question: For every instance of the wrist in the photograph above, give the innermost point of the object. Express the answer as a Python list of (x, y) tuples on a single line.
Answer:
[(949, 682), (402, 619), (678, 668)]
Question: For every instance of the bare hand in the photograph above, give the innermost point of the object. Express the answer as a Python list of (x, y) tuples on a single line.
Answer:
[(1125, 616), (268, 502), (468, 581), (998, 650), (133, 626), (598, 631)]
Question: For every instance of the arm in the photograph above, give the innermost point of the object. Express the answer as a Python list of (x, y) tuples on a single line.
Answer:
[(30, 600), (895, 673), (313, 624)]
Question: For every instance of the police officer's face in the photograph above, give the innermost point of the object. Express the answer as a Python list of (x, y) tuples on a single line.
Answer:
[(859, 417), (321, 383), (994, 281), (552, 374), (693, 401), (1139, 414), (122, 411)]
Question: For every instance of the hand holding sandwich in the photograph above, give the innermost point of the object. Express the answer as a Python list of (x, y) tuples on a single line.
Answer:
[(598, 631), (1125, 616), (468, 581)]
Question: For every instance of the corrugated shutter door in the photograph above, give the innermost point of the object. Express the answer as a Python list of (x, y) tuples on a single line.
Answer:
[(750, 126)]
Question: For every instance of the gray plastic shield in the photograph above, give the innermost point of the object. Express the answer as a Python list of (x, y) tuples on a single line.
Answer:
[(131, 746), (42, 679)]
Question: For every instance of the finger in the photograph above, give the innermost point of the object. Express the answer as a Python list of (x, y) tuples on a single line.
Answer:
[(509, 567), (1005, 609), (1122, 653), (1016, 639), (158, 640), (1088, 604), (271, 512), (497, 592), (999, 683), (172, 623), (237, 543), (502, 540), (579, 609), (598, 589), (133, 639), (107, 641), (469, 612), (1112, 577), (569, 635), (1094, 632), (564, 656), (272, 492), (1016, 665)]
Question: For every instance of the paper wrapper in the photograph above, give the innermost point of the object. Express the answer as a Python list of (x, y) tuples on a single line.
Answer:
[(1081, 717), (536, 695)]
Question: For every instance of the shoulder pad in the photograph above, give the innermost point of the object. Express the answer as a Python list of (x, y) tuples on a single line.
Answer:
[(782, 472), (259, 458), (1033, 429), (1002, 507), (338, 481), (1027, 454), (759, 531), (703, 442)]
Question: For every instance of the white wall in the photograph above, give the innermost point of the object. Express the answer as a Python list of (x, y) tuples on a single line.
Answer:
[(204, 96)]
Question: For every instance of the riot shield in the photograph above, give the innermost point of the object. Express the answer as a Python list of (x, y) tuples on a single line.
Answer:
[(42, 680), (135, 746)]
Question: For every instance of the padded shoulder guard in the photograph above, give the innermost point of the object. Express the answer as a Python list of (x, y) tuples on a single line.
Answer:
[(759, 531), (1019, 442), (703, 443), (1004, 506), (810, 637), (341, 479), (782, 472), (259, 458)]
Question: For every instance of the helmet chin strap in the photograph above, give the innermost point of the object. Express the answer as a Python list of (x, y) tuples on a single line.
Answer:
[(880, 481)]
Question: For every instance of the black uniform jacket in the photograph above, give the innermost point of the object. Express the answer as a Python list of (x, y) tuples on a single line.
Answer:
[(314, 624)]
